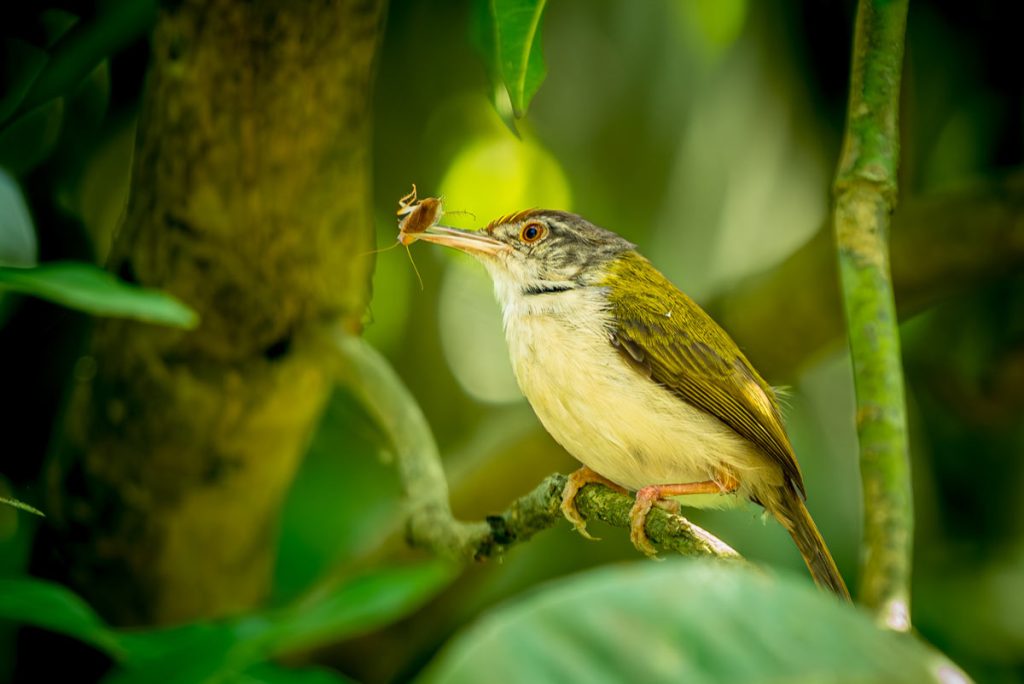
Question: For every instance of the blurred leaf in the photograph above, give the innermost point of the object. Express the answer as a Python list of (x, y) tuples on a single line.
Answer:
[(17, 234), (346, 448), (218, 651), (508, 35), (267, 673), (718, 23), (56, 608), (359, 605), (56, 22), (87, 102), (680, 621), (91, 289), (22, 506), (20, 64), (29, 139), (89, 42), (201, 652), (101, 191)]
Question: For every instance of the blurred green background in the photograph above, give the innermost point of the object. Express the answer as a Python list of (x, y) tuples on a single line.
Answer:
[(706, 131)]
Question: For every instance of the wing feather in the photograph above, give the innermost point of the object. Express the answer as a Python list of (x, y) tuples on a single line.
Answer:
[(666, 336)]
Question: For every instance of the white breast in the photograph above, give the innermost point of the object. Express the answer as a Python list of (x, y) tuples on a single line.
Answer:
[(605, 413)]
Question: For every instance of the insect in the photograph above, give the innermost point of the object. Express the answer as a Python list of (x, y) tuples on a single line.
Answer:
[(416, 216)]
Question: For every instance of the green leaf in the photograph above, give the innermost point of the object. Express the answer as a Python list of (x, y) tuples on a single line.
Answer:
[(228, 650), (28, 140), (508, 34), (311, 544), (20, 65), (91, 40), (56, 608), (221, 651), (17, 234), (358, 605), (681, 621), (267, 673), (22, 506), (91, 289)]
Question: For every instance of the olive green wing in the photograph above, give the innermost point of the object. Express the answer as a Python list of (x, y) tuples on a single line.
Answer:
[(664, 334)]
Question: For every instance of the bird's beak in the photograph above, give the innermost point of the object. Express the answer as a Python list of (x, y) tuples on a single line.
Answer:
[(471, 242)]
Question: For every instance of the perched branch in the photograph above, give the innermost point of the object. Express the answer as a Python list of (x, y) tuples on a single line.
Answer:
[(431, 524), (865, 193)]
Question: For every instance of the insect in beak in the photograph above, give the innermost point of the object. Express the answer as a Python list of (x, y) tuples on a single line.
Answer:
[(416, 216)]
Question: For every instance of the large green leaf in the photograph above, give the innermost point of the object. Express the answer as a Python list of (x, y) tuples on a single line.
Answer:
[(56, 608), (508, 34), (680, 621), (91, 289)]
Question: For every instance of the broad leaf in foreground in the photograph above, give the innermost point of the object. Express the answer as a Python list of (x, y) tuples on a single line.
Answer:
[(680, 621)]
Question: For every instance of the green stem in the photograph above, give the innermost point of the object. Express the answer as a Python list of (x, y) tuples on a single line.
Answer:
[(865, 194)]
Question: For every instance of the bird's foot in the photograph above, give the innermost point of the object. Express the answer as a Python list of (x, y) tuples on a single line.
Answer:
[(575, 482), (648, 497)]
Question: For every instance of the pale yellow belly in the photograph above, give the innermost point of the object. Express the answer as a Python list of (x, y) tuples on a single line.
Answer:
[(620, 423)]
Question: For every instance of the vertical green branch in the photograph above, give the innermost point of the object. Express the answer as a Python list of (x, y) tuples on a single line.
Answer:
[(865, 194)]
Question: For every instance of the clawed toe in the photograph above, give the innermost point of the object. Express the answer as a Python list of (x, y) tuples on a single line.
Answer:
[(573, 484), (645, 500), (570, 511)]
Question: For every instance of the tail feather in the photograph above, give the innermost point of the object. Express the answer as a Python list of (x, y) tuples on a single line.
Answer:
[(790, 510)]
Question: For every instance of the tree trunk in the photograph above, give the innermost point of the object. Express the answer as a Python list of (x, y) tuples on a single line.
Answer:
[(250, 200)]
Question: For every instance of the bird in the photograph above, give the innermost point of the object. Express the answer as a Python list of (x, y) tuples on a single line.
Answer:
[(635, 380)]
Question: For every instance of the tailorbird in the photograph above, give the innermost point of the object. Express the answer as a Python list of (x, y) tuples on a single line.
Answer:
[(634, 379)]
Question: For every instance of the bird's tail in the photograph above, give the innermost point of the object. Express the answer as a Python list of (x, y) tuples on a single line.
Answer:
[(790, 510)]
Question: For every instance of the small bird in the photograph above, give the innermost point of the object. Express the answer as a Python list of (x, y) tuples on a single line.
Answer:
[(635, 380)]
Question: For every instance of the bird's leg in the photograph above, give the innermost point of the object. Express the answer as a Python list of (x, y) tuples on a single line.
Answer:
[(575, 482), (655, 496)]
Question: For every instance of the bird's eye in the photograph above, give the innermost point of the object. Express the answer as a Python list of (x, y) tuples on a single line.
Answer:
[(532, 232)]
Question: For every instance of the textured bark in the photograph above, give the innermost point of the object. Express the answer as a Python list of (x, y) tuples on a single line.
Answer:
[(250, 201)]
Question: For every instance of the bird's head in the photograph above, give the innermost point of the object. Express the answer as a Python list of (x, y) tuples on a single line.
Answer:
[(536, 251)]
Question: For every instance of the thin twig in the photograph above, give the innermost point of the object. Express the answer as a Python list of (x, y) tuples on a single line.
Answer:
[(430, 523), (865, 194)]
